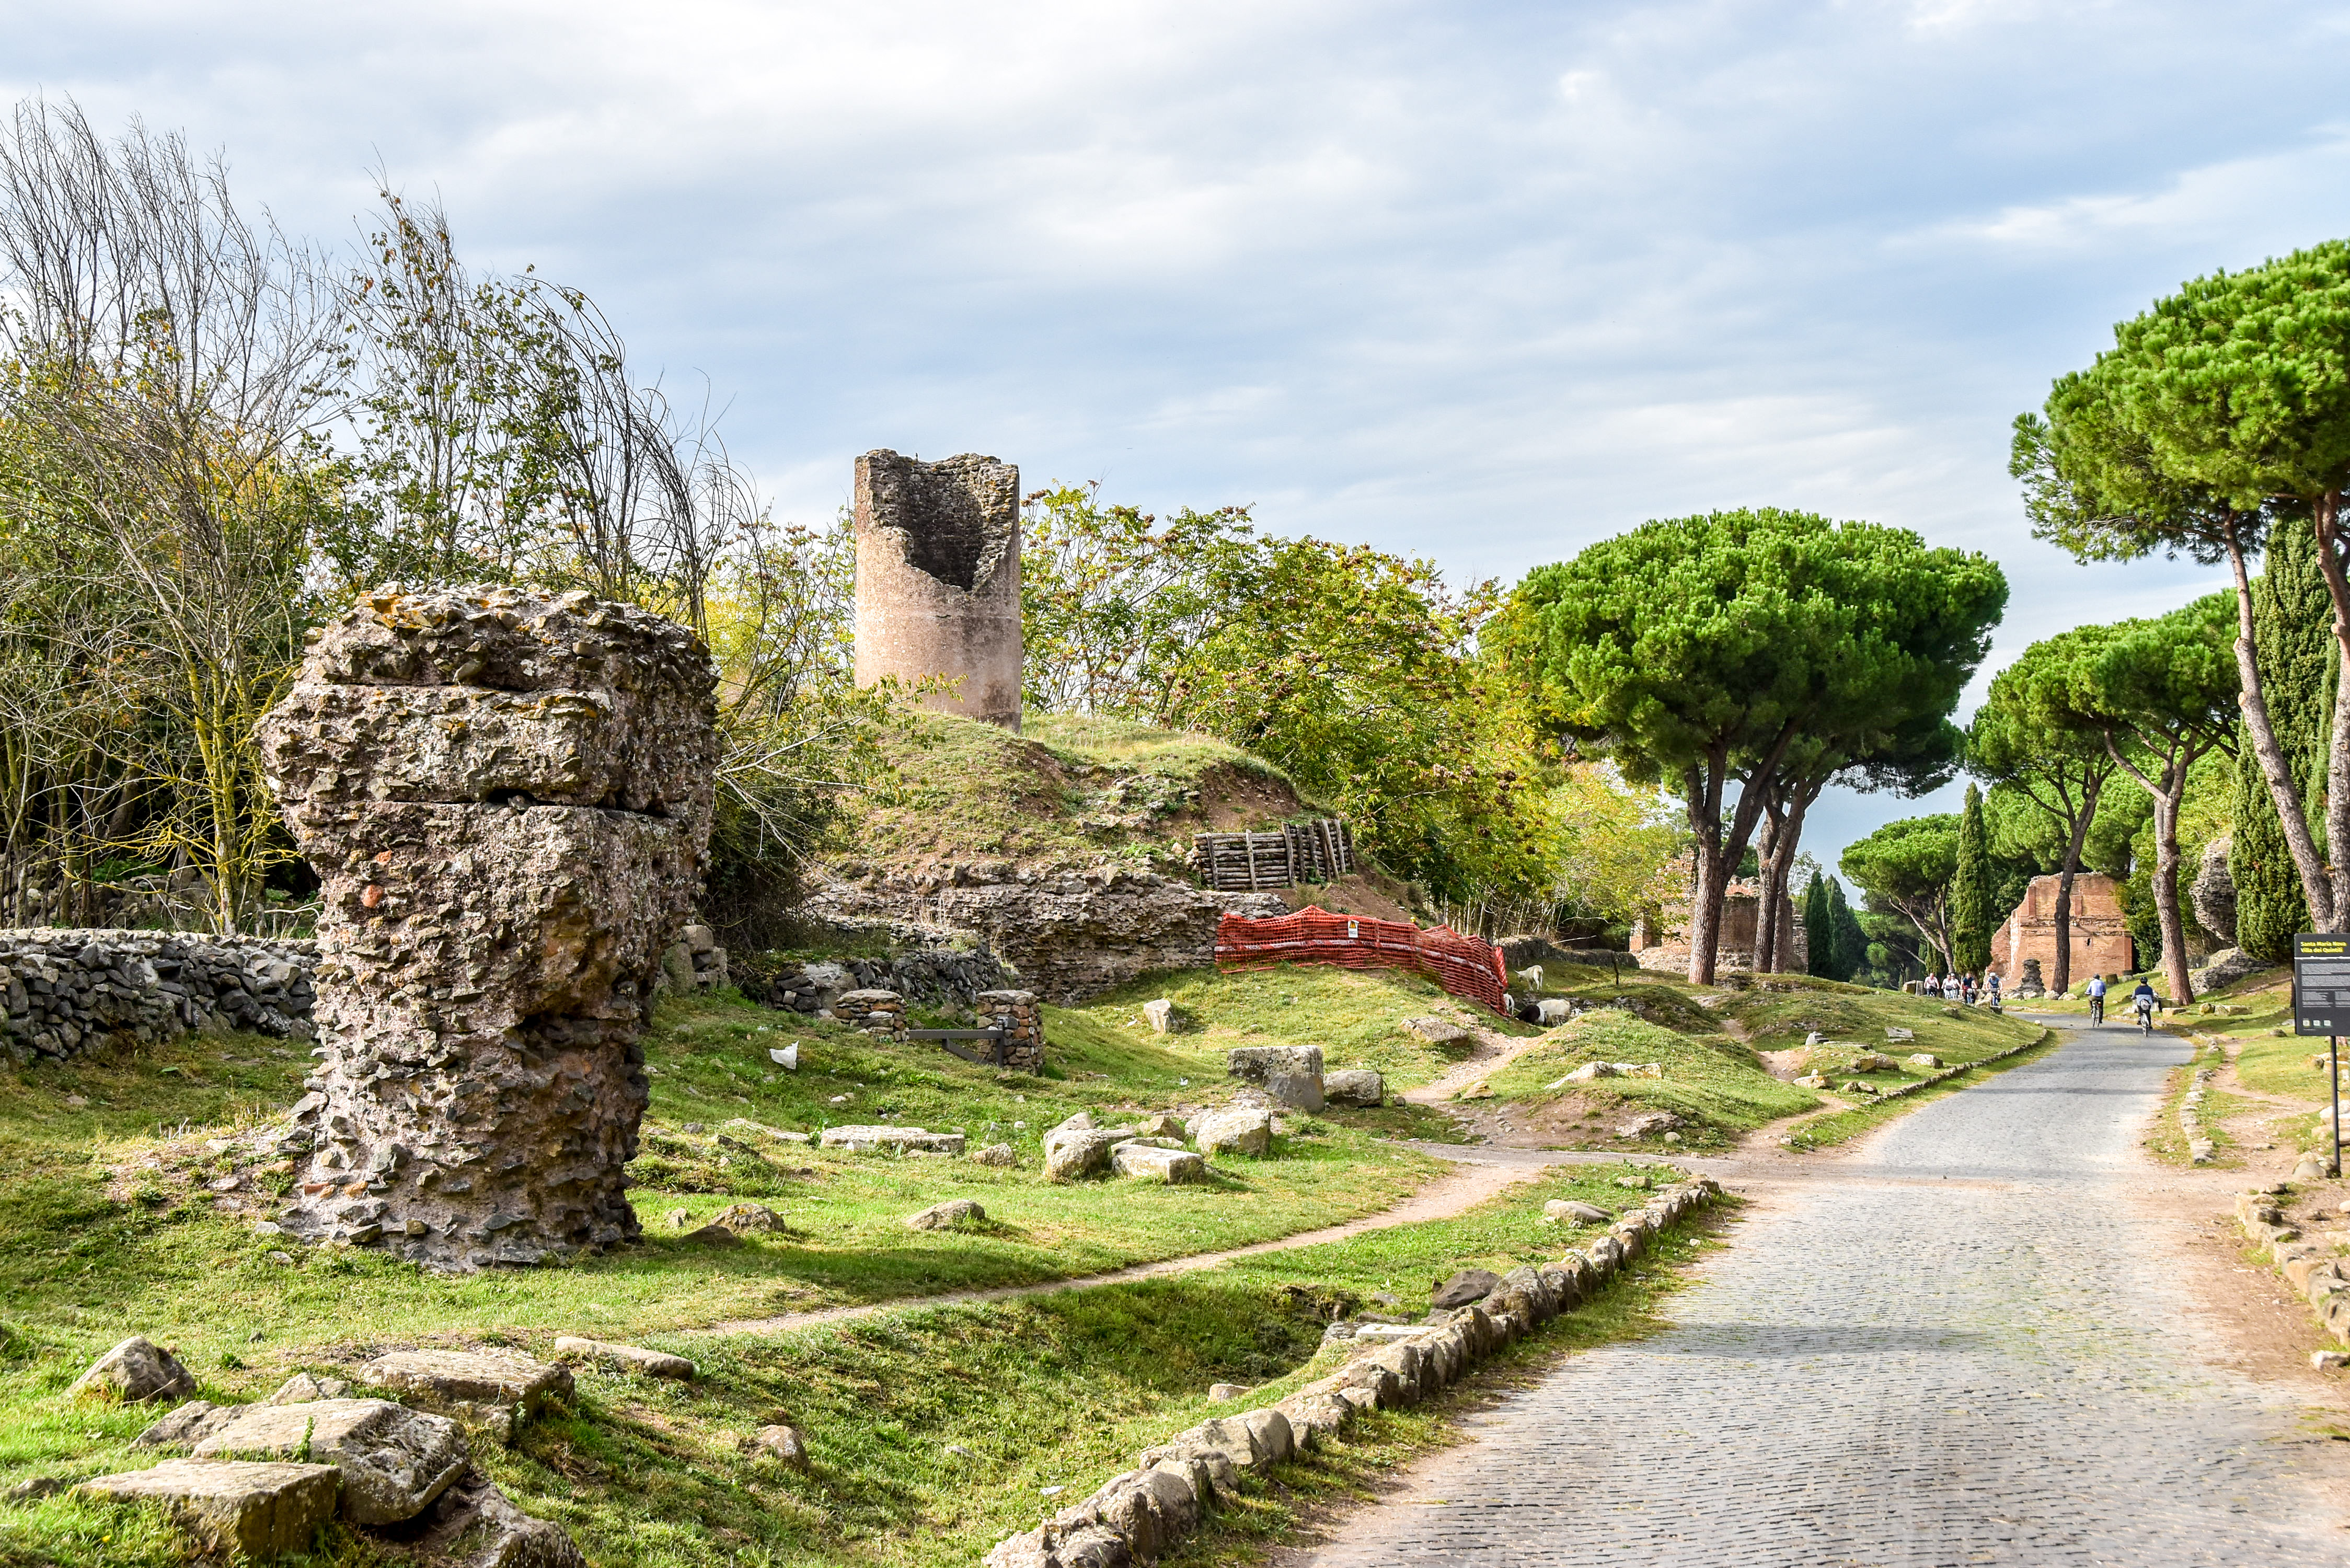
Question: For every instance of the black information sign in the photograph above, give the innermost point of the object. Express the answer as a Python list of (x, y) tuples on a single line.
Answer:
[(2321, 985)]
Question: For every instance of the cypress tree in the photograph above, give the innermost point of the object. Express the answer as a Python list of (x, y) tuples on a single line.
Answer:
[(1971, 892), (1819, 930), (2292, 638), (1851, 941)]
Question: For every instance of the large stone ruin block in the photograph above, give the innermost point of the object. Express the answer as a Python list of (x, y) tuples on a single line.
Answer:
[(507, 797), (938, 580)]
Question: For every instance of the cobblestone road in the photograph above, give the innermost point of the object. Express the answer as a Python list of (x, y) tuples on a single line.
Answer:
[(1963, 1349)]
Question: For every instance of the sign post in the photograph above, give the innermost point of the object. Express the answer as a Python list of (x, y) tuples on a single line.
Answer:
[(2321, 1005)]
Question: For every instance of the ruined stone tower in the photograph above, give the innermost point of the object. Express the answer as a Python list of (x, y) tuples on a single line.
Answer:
[(938, 578)]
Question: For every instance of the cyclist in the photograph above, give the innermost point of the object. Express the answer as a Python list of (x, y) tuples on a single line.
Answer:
[(2096, 999), (1991, 984), (2142, 999)]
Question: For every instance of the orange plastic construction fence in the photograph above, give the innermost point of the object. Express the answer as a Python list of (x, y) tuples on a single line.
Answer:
[(1468, 967)]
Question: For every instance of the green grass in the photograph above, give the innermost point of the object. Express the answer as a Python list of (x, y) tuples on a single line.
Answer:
[(1056, 1390), (1711, 1081), (1066, 792)]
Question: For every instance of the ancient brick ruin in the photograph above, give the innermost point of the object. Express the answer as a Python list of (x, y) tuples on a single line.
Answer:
[(2100, 932), (1663, 944), (938, 580), (507, 797)]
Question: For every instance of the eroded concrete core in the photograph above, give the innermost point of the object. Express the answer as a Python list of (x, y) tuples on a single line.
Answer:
[(507, 797), (938, 580)]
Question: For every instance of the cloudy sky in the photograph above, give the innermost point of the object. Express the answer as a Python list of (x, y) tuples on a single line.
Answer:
[(1482, 281)]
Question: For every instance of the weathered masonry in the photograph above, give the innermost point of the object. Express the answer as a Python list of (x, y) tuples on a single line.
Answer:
[(507, 798), (70, 990), (938, 580)]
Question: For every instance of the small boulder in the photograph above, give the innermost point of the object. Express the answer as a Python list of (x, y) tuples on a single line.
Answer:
[(1000, 1155), (133, 1372), (1243, 1132), (1924, 1059), (745, 1219), (784, 1443), (1651, 1124), (1440, 1031), (1900, 1036), (1149, 1162), (1221, 1392), (257, 1510), (1160, 1015), (629, 1357), (1468, 1286), (395, 1461), (303, 1387), (1873, 1062), (1355, 1086), (1289, 1073), (1591, 1071), (1160, 1126), (1811, 1081), (947, 1215), (1581, 1213), (1082, 1122)]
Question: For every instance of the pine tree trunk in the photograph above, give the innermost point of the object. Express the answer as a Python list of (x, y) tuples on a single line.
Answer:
[(2316, 887), (2165, 885)]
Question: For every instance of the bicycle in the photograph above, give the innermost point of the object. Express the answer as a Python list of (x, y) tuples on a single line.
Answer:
[(2096, 1010), (2146, 1020)]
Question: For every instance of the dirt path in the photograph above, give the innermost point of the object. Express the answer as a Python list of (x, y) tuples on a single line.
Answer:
[(1470, 1183), (1492, 1052)]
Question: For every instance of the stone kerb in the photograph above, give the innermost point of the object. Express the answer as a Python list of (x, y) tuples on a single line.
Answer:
[(1143, 1514), (507, 798), (65, 991)]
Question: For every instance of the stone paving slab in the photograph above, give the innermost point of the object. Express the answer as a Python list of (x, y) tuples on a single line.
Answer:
[(1965, 1348)]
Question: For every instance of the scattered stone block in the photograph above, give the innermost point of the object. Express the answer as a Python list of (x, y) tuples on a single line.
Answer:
[(186, 1426), (858, 1139), (1081, 1122), (1160, 1015), (1149, 1162), (748, 1219), (1000, 1155), (395, 1461), (132, 1372), (1468, 1286), (259, 1509), (1243, 1132), (630, 1358), (1924, 1059), (1577, 1210), (1163, 1125), (477, 1526), (1074, 1153), (947, 1215), (1355, 1086), (1900, 1036), (1291, 1075), (495, 1389), (1219, 1392), (1651, 1124)]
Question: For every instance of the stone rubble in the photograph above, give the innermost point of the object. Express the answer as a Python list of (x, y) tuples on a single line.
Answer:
[(497, 1390), (260, 1509), (132, 1372), (507, 798), (629, 1357), (395, 1462)]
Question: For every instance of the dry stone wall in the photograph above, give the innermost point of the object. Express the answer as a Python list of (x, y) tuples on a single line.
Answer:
[(70, 990), (507, 798)]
